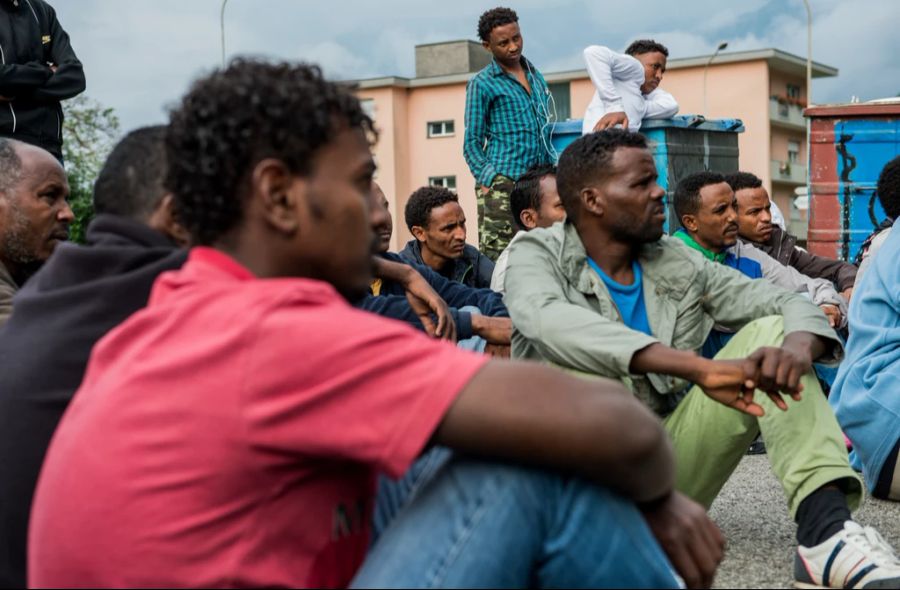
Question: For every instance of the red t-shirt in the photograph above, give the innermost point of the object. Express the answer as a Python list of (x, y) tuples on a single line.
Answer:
[(229, 435)]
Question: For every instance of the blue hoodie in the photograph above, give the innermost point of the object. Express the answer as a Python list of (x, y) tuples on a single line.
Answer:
[(866, 393)]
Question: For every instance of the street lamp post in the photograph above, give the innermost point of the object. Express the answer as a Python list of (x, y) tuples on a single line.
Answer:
[(222, 27), (808, 53), (721, 46)]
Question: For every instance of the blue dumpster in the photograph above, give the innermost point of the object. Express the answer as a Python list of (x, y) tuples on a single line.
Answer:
[(681, 146)]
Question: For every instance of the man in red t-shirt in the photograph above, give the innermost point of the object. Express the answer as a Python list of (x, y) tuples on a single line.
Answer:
[(229, 433)]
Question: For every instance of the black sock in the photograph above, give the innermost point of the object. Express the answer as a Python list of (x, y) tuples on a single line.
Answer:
[(821, 515), (886, 477)]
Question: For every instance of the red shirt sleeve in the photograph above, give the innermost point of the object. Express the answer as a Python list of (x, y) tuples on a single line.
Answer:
[(335, 382)]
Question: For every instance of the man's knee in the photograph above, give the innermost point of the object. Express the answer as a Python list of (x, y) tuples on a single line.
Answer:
[(767, 331)]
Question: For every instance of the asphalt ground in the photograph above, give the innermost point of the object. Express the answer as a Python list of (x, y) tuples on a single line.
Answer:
[(753, 515)]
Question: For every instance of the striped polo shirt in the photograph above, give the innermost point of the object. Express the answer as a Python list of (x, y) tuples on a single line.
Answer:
[(507, 129)]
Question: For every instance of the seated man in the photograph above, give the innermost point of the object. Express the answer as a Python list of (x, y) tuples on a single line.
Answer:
[(34, 214), (389, 298), (438, 226), (80, 294), (607, 294), (705, 206), (864, 395), (626, 86), (755, 227), (888, 191), (229, 433), (534, 203)]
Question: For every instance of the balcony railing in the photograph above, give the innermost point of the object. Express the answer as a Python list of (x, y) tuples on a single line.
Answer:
[(786, 115), (788, 172)]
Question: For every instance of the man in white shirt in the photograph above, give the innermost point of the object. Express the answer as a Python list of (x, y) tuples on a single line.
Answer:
[(626, 86)]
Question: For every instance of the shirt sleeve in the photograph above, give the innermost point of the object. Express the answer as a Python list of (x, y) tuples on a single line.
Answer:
[(68, 80), (339, 383), (603, 66), (477, 105), (660, 105)]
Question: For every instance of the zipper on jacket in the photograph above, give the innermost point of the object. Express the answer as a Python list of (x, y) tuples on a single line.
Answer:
[(11, 109)]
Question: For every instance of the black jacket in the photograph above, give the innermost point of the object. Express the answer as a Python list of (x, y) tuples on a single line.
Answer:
[(31, 39), (79, 295), (782, 246)]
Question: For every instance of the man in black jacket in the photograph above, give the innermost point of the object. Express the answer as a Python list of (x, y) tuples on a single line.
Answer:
[(755, 227), (80, 294), (39, 69)]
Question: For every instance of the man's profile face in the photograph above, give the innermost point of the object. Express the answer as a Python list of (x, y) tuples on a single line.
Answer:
[(551, 209), (335, 242), (445, 234), (380, 217), (715, 224), (34, 213), (654, 64), (505, 44), (754, 214), (634, 210)]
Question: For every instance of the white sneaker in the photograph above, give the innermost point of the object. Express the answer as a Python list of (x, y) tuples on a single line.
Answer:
[(856, 557)]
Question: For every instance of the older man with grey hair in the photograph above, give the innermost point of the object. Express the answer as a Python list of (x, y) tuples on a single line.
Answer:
[(34, 214)]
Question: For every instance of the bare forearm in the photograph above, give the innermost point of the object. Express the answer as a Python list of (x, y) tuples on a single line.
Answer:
[(392, 271), (532, 414), (659, 358)]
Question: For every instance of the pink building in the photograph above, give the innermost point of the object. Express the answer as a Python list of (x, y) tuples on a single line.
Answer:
[(421, 120)]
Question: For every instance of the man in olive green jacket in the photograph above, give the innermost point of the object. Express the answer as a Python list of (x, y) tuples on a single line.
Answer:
[(606, 294)]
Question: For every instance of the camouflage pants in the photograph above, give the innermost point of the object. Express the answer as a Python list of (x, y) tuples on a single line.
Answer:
[(495, 222)]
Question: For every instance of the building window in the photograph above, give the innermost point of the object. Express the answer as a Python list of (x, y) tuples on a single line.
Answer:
[(793, 91), (448, 182), (441, 128), (368, 107), (562, 101), (793, 151)]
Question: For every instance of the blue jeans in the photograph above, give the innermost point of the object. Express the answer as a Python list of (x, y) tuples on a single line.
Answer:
[(478, 524)]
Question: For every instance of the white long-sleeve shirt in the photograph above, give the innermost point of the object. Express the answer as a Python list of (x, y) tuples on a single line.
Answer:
[(617, 82)]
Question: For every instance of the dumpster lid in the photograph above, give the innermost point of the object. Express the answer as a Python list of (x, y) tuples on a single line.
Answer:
[(679, 121)]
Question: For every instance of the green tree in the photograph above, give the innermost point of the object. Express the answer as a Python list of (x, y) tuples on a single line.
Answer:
[(89, 132)]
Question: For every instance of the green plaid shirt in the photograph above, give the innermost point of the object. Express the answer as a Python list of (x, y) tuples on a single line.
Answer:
[(507, 129)]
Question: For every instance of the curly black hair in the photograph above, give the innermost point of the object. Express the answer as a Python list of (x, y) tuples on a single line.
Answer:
[(526, 193), (130, 184), (587, 160), (236, 117), (687, 193), (642, 46), (422, 201), (888, 188), (741, 180), (493, 18)]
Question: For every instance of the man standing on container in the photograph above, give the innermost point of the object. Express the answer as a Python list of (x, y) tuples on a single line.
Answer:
[(508, 124), (39, 69)]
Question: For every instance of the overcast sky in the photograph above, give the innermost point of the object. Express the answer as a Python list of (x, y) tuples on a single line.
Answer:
[(140, 55)]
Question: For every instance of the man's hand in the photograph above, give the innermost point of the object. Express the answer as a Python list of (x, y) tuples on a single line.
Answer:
[(694, 544), (833, 314), (425, 301), (730, 383), (494, 330), (5, 98), (611, 120)]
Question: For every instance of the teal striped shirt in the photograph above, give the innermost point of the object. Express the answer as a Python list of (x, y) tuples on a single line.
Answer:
[(507, 129)]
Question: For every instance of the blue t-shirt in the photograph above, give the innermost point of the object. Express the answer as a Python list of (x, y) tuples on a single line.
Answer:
[(628, 298)]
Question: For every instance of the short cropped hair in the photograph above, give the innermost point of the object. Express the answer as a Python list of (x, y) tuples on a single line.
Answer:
[(234, 118), (687, 193), (642, 46), (130, 184), (493, 18), (526, 193), (422, 201), (10, 164), (741, 180), (587, 160), (888, 188)]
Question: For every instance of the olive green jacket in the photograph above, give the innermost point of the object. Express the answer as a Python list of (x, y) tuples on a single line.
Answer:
[(8, 288), (563, 314)]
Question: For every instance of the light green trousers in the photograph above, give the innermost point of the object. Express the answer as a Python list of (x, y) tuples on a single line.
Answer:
[(805, 446)]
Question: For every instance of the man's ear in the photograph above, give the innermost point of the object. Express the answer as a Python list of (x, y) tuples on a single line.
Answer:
[(486, 45), (164, 220), (593, 201), (528, 217), (278, 193), (418, 232), (690, 223)]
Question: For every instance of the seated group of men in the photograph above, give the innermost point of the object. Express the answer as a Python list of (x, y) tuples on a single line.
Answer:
[(233, 410)]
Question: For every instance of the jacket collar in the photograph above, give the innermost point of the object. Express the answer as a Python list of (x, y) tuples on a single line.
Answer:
[(690, 242), (6, 278), (459, 268), (496, 70)]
